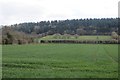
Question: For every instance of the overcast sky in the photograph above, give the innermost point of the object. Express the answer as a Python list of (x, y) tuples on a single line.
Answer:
[(18, 11)]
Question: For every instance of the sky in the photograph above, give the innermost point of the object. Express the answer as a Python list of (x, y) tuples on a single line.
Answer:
[(19, 11)]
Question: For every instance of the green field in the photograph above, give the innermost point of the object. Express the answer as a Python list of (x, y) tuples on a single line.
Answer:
[(0, 61), (60, 61), (102, 37)]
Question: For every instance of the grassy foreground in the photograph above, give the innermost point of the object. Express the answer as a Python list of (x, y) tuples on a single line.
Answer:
[(60, 60)]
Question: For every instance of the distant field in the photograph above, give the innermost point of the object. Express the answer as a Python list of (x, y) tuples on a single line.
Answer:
[(79, 38), (60, 61)]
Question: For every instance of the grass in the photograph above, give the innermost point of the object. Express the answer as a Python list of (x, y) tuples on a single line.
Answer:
[(51, 37), (60, 61), (0, 61)]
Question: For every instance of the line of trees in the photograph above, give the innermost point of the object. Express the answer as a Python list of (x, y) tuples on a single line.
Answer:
[(81, 41), (102, 26)]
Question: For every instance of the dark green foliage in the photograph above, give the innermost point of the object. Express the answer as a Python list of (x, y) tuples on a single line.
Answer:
[(85, 26)]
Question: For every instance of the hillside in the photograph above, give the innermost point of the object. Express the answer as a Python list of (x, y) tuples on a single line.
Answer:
[(95, 26), (27, 32)]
